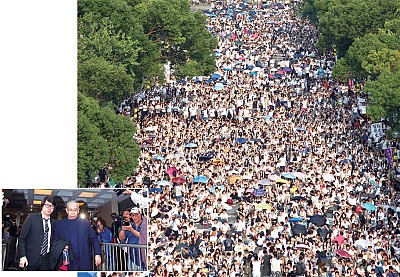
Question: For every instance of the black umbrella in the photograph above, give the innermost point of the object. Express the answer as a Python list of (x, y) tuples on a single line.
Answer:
[(180, 246), (298, 229), (323, 232), (298, 197), (318, 219)]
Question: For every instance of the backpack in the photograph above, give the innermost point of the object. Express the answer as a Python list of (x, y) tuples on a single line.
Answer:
[(300, 268)]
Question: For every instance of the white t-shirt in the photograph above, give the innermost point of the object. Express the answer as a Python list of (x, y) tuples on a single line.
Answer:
[(275, 264)]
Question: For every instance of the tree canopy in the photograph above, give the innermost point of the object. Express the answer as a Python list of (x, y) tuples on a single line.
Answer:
[(104, 138), (121, 45)]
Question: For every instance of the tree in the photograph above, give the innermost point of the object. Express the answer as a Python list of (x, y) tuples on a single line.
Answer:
[(180, 33), (104, 80), (343, 21), (384, 94), (104, 138)]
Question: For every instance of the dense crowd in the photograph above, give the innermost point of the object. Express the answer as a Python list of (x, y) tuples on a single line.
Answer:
[(268, 167)]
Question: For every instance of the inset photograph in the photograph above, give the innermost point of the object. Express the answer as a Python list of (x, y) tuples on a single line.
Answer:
[(101, 230)]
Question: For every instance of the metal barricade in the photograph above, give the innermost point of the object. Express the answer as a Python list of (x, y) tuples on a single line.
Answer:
[(122, 257), (3, 255)]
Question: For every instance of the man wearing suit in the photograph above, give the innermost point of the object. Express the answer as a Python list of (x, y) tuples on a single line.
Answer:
[(81, 236), (36, 236)]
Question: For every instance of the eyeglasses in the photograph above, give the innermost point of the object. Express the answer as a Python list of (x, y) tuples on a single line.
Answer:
[(49, 206)]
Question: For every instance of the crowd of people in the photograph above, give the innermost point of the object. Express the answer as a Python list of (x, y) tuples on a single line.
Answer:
[(268, 167)]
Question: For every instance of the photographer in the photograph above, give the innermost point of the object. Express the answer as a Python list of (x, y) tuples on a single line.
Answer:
[(103, 232), (115, 225), (135, 232)]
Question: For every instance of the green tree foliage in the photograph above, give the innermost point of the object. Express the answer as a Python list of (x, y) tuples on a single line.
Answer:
[(104, 138), (104, 81), (343, 21), (180, 33), (340, 70), (385, 97)]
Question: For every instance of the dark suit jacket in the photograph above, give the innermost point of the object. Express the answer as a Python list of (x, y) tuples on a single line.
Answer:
[(87, 238), (31, 237)]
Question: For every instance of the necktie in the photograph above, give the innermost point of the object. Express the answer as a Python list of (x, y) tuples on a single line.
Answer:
[(45, 243)]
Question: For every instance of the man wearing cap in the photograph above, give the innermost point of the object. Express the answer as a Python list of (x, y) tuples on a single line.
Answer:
[(136, 233)]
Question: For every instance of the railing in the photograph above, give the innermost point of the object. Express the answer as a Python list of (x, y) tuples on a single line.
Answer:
[(3, 255), (122, 257)]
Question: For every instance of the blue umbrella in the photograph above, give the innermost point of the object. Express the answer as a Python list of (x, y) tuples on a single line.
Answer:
[(215, 76), (241, 140), (369, 206), (299, 129), (227, 69), (209, 81), (255, 139), (182, 81), (219, 86), (288, 175), (160, 158), (159, 190), (216, 187), (217, 54), (295, 219), (197, 80), (264, 182), (163, 183), (253, 73), (191, 145), (258, 192), (250, 67), (287, 69), (200, 179)]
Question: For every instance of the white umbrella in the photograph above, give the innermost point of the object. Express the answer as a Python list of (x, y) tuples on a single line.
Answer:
[(328, 177)]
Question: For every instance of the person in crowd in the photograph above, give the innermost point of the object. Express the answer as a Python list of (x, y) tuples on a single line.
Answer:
[(36, 236), (83, 241)]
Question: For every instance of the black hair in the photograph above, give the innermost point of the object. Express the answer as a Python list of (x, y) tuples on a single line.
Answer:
[(48, 199)]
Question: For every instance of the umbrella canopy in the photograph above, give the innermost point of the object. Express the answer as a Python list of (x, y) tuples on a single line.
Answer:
[(258, 192), (328, 177), (273, 177), (263, 206), (297, 198), (343, 253), (302, 246), (287, 69), (212, 190), (299, 229), (159, 190), (172, 171), (232, 179), (363, 243), (191, 145), (163, 183), (339, 239), (323, 232), (318, 219), (204, 158), (369, 206), (264, 182), (159, 158), (241, 140), (200, 179), (282, 181), (288, 175), (295, 219), (300, 175), (219, 86), (215, 76), (179, 180), (180, 246)]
